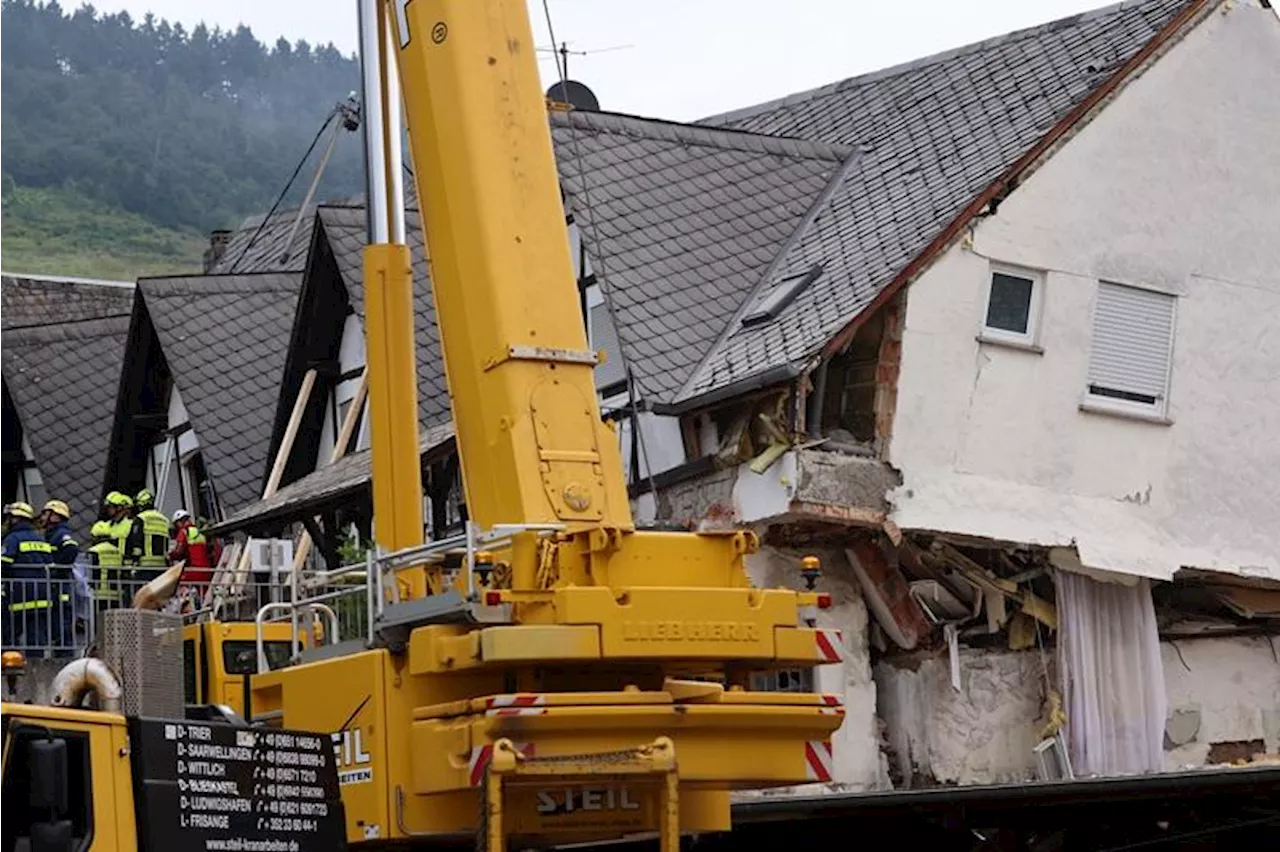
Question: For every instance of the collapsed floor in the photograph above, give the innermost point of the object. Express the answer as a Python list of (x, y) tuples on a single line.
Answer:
[(965, 662)]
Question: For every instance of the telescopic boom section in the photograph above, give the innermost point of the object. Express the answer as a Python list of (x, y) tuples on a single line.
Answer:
[(533, 447)]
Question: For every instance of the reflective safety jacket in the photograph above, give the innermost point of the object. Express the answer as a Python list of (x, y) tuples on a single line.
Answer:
[(26, 558), (149, 540), (107, 563), (65, 547), (120, 532)]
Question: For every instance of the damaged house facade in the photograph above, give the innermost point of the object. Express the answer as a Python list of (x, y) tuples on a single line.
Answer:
[(1009, 379), (989, 333)]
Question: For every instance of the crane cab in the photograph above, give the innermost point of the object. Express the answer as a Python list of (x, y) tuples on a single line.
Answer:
[(218, 655)]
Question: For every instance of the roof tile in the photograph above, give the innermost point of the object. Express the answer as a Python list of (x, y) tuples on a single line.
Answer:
[(975, 110)]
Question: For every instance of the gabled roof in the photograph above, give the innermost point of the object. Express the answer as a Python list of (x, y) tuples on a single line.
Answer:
[(225, 339), (344, 228), (680, 222), (63, 378), (929, 137), (258, 245), (334, 483)]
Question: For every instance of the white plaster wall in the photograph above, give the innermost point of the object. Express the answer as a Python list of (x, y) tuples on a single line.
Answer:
[(1234, 685), (1175, 185), (982, 734), (856, 745)]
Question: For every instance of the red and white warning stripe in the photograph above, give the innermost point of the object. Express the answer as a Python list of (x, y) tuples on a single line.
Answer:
[(520, 704), (518, 699), (481, 758), (819, 763), (831, 700), (831, 705), (829, 643)]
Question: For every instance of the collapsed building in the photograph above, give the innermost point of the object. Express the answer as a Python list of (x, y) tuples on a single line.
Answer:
[(988, 333)]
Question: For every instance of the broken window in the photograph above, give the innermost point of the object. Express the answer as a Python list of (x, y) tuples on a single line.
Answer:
[(1013, 305), (1132, 349), (849, 390)]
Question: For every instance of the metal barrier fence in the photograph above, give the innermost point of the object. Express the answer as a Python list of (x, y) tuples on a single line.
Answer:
[(53, 611)]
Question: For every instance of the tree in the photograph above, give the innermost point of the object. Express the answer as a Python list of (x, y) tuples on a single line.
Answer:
[(194, 130)]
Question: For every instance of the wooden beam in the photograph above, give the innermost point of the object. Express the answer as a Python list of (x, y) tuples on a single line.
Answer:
[(290, 433), (349, 422)]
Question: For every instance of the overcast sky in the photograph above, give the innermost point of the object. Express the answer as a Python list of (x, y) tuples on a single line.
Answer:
[(681, 59)]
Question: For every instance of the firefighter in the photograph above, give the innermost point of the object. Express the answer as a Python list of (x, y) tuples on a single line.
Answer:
[(55, 518), (192, 547), (26, 558), (118, 509), (148, 545), (106, 562)]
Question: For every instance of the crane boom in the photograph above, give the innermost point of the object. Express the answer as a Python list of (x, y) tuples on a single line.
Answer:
[(533, 447)]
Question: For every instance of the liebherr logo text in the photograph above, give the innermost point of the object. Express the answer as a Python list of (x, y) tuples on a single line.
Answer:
[(667, 631)]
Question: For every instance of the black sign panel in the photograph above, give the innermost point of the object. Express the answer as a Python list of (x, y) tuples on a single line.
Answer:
[(204, 787)]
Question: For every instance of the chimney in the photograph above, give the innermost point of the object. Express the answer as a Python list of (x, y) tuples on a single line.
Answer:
[(218, 242)]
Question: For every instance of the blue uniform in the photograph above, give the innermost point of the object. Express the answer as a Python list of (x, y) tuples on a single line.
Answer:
[(65, 546), (65, 550), (26, 558)]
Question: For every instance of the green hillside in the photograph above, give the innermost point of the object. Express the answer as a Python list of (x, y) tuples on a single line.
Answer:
[(124, 142), (61, 232)]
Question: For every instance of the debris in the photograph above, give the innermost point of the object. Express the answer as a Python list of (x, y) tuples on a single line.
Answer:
[(1249, 602), (887, 594), (1039, 609), (892, 531), (997, 615), (1057, 716), (1022, 632), (938, 603), (952, 634), (765, 460)]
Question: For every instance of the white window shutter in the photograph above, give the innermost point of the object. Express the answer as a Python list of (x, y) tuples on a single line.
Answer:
[(1132, 344)]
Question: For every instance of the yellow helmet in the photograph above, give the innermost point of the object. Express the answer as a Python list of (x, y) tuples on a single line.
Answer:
[(22, 510), (101, 529), (58, 507), (116, 498)]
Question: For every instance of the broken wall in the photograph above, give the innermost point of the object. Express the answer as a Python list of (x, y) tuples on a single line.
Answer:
[(1224, 699), (982, 734), (1223, 696), (856, 745)]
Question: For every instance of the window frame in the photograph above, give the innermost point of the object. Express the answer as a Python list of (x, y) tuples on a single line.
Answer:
[(18, 729), (1030, 339), (1101, 403)]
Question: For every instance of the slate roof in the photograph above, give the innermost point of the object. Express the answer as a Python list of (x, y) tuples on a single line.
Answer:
[(225, 338), (27, 301), (254, 250), (682, 223), (929, 137), (344, 228), (349, 475), (63, 378)]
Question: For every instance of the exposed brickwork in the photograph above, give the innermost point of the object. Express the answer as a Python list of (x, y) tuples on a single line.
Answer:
[(887, 368)]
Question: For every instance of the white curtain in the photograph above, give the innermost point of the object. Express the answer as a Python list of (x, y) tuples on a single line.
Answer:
[(1109, 657)]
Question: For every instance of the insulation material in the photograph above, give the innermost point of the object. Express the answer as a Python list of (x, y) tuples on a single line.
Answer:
[(1109, 650)]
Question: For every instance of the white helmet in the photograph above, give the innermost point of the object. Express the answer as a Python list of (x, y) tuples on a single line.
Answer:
[(181, 515)]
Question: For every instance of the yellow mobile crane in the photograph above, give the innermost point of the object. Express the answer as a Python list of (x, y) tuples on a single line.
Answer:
[(555, 674)]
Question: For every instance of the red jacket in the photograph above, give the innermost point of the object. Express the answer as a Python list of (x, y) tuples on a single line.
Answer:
[(192, 547)]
